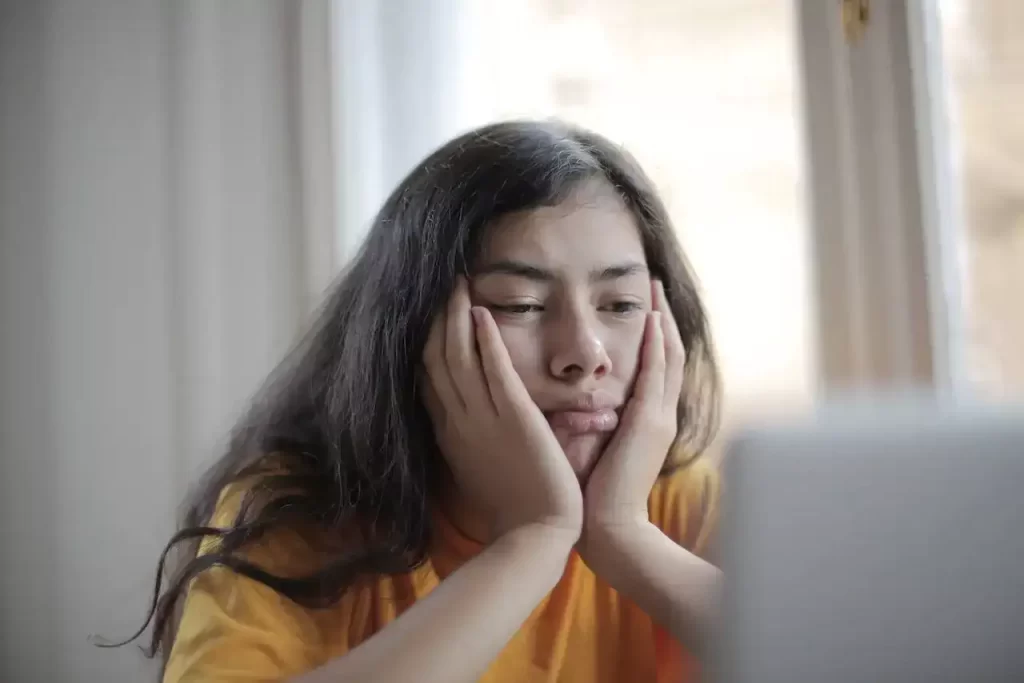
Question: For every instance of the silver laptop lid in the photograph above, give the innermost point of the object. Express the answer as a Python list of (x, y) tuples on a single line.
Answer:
[(880, 544)]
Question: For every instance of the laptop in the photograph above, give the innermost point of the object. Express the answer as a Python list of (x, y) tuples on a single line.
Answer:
[(877, 544)]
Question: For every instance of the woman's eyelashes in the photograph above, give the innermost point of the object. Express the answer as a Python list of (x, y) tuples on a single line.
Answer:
[(619, 308), (624, 307), (517, 309)]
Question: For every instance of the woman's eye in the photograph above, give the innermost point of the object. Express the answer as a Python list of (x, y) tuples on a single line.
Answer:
[(623, 307), (519, 309)]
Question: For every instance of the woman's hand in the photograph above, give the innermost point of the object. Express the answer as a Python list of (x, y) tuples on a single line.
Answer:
[(501, 451), (620, 485), (619, 543)]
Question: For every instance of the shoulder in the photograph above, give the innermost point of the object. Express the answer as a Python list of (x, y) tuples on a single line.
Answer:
[(236, 624), (281, 534), (684, 504)]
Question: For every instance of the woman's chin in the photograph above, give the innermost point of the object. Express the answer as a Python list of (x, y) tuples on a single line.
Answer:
[(583, 452)]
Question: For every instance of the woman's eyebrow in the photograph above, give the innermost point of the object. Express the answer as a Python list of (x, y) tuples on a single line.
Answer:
[(614, 272), (516, 269), (537, 273)]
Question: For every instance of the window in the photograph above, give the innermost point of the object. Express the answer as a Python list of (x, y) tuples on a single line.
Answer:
[(705, 95), (983, 51), (897, 263)]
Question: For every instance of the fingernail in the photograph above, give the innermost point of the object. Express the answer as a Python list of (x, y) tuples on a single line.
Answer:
[(477, 314)]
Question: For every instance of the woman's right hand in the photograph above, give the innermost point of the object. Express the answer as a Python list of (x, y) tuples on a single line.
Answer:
[(502, 453)]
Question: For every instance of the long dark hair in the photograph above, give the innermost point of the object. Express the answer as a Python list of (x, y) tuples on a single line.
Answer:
[(343, 406)]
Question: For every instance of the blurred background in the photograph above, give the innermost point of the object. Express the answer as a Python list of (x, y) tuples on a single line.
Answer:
[(180, 180)]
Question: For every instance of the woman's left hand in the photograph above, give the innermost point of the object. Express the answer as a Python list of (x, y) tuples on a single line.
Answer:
[(616, 494)]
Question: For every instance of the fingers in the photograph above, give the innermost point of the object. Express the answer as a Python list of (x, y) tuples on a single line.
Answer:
[(675, 352), (466, 359), (439, 381), (503, 382), (650, 384), (460, 349)]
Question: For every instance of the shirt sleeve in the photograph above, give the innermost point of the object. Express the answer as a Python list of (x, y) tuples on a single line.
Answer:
[(235, 629)]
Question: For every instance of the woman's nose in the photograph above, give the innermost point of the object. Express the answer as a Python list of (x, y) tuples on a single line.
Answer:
[(579, 351)]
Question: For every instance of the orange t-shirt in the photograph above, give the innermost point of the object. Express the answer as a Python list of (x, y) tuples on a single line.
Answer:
[(236, 629)]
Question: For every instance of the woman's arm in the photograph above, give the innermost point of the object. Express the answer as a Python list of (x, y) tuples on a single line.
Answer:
[(678, 589), (453, 634)]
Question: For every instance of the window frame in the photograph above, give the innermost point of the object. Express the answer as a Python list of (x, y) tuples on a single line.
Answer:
[(885, 210)]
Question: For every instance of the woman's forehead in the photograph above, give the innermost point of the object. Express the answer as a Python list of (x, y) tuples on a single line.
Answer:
[(580, 233)]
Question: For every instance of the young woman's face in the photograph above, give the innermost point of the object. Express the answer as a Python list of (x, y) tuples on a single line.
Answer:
[(569, 289)]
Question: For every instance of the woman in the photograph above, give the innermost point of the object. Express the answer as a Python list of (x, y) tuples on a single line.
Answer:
[(482, 463)]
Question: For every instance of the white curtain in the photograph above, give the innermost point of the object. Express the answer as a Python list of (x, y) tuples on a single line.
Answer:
[(166, 205), (402, 86)]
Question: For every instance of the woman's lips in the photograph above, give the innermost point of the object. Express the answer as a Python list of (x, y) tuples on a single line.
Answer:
[(583, 421)]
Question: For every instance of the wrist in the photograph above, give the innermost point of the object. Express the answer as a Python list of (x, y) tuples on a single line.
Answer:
[(539, 540), (605, 542), (625, 527), (676, 588)]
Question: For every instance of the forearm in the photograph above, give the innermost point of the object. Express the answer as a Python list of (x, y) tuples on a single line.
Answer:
[(453, 634), (679, 590)]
